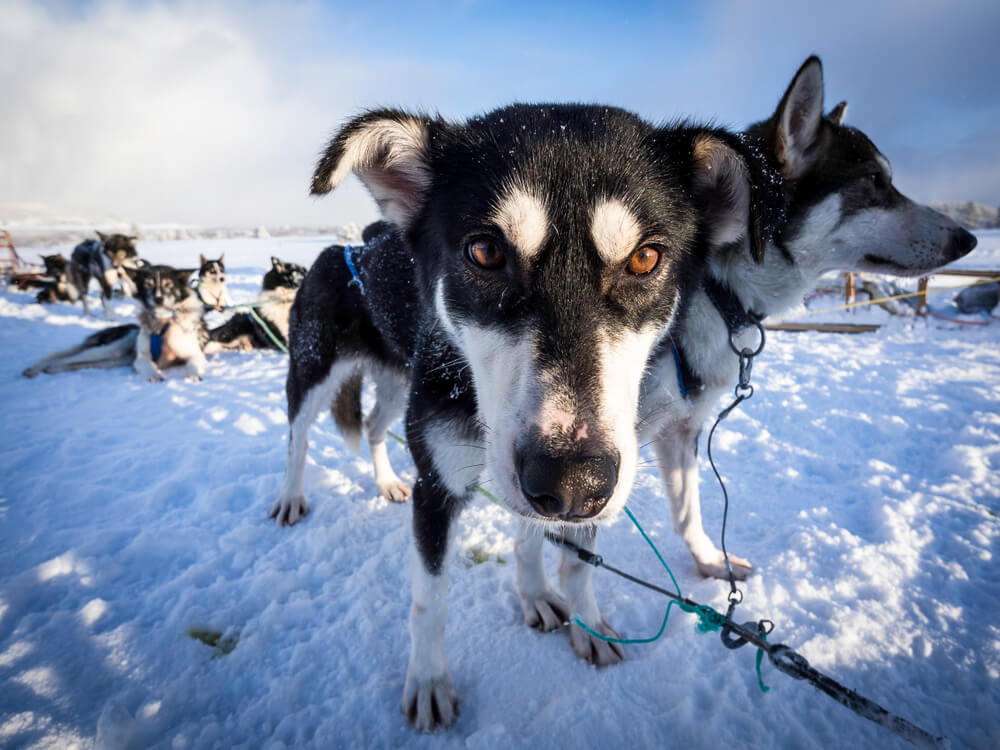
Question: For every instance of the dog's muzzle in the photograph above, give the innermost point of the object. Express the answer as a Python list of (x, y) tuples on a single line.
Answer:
[(573, 487)]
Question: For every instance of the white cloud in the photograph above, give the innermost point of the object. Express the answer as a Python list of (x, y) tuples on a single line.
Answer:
[(161, 113)]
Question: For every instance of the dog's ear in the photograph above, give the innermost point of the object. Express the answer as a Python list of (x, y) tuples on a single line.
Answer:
[(222, 259), (799, 117), (276, 265), (837, 114), (722, 192), (389, 151), (103, 237), (201, 260), (183, 275)]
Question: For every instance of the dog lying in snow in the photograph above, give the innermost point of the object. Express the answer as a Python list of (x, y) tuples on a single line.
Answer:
[(242, 331), (543, 253), (104, 259), (170, 332)]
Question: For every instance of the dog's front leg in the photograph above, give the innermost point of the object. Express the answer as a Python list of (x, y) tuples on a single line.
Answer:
[(196, 366), (143, 363), (576, 580), (543, 608), (677, 454), (429, 700)]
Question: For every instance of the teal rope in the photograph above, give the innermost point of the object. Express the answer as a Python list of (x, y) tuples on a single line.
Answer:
[(262, 324), (709, 620)]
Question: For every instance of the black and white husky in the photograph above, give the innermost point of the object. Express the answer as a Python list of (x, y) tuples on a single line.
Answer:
[(548, 247), (211, 283), (841, 212), (170, 332), (243, 331), (102, 259)]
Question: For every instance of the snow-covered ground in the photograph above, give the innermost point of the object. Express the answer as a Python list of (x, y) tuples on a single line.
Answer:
[(863, 477)]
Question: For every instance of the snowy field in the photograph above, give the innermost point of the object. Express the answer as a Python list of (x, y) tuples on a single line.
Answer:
[(863, 478)]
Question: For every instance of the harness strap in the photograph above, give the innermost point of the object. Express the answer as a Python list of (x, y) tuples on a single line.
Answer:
[(156, 343), (687, 379), (736, 317), (355, 278)]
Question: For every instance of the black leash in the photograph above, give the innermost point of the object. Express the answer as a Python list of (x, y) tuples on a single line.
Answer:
[(781, 656)]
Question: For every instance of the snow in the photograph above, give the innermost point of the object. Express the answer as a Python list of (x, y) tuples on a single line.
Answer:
[(862, 476)]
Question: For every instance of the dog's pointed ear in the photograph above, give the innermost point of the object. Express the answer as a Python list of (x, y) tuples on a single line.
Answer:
[(837, 114), (277, 265), (101, 236), (222, 259), (389, 150), (722, 192), (201, 260), (799, 117)]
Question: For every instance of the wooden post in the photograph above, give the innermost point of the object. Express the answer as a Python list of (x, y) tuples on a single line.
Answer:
[(849, 289), (922, 298)]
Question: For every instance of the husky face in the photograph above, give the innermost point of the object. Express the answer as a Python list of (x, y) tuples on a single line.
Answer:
[(161, 289), (552, 243), (119, 248), (844, 212), (283, 275)]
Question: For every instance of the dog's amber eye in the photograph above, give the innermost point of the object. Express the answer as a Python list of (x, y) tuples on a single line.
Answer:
[(485, 253), (643, 260)]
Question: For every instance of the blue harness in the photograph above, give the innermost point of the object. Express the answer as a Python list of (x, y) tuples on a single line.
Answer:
[(156, 343), (680, 370), (355, 278)]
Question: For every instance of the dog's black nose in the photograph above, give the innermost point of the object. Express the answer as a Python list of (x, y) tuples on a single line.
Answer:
[(569, 488), (962, 243)]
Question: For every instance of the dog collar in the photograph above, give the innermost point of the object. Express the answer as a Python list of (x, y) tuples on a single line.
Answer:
[(736, 317)]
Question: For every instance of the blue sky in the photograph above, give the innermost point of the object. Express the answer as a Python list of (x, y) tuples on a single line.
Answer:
[(213, 112)]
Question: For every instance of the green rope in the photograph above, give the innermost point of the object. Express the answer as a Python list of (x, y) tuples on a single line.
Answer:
[(267, 330), (709, 620)]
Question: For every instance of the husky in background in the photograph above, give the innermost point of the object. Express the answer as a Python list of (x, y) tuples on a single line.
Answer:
[(243, 331), (541, 253), (103, 259), (211, 283), (842, 213), (170, 332)]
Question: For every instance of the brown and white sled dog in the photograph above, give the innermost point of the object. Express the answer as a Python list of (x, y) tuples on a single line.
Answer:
[(541, 254), (170, 332), (841, 212)]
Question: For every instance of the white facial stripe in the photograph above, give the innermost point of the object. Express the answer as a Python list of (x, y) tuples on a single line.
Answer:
[(442, 311), (504, 376), (524, 221), (615, 231), (622, 364)]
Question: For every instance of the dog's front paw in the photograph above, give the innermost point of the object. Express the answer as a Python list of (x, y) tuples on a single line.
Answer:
[(714, 566), (193, 378), (429, 704), (289, 511), (593, 649), (546, 612), (30, 372), (154, 379), (394, 489)]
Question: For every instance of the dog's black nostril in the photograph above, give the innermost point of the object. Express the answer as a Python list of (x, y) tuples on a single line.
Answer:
[(572, 488)]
